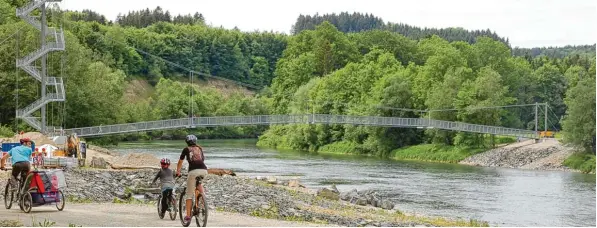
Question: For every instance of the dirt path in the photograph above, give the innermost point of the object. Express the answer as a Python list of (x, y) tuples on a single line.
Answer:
[(102, 215)]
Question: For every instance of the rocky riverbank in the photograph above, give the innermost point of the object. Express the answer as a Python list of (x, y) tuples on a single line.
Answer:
[(545, 155), (249, 196)]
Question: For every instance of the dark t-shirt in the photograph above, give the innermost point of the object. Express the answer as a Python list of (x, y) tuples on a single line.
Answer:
[(199, 165)]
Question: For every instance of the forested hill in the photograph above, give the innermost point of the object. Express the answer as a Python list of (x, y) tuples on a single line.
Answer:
[(324, 70), (357, 22), (555, 52), (138, 36)]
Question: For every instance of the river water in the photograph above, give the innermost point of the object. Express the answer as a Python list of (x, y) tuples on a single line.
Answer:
[(504, 197)]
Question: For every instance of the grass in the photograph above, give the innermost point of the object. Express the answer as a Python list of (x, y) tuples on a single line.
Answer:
[(6, 131), (45, 223), (73, 199), (10, 223), (581, 161), (342, 147), (423, 152), (271, 213), (502, 140), (435, 153), (130, 200)]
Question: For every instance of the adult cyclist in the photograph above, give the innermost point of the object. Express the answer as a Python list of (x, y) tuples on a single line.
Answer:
[(21, 156), (194, 156)]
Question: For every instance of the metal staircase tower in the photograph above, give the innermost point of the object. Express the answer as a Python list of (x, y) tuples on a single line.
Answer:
[(55, 43)]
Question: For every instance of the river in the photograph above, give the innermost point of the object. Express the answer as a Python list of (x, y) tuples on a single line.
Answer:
[(504, 197)]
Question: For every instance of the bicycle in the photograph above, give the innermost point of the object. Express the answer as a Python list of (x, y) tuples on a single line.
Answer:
[(172, 209), (9, 190), (199, 205)]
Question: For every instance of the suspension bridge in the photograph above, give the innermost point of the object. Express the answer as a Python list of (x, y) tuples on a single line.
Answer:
[(57, 43)]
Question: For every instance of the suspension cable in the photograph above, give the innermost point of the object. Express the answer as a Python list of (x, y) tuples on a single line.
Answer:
[(17, 76), (190, 89), (483, 107), (10, 36), (192, 96)]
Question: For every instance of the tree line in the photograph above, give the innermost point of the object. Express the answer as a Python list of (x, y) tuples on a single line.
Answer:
[(555, 52), (332, 72), (358, 22)]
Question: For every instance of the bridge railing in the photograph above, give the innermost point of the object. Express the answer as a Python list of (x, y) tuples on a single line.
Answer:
[(293, 119), (476, 128)]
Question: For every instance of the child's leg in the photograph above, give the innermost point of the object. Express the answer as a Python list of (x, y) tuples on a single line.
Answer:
[(164, 201)]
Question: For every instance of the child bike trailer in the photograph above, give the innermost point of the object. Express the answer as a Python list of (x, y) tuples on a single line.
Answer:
[(44, 187)]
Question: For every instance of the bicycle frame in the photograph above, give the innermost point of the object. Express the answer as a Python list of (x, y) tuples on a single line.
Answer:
[(198, 205), (22, 176)]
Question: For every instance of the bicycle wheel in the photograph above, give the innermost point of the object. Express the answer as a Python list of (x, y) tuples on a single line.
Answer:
[(182, 212), (201, 218), (160, 207), (172, 207), (60, 205), (8, 196), (27, 202)]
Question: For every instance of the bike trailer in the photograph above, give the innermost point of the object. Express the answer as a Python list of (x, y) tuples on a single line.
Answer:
[(44, 186)]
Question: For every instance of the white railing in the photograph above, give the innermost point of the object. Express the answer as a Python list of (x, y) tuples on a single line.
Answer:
[(38, 103), (29, 7), (31, 70), (33, 122)]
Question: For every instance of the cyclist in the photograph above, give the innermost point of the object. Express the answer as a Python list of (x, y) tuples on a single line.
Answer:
[(167, 181), (21, 155), (194, 156)]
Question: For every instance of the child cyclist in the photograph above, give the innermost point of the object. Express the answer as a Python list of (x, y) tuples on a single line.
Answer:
[(166, 176)]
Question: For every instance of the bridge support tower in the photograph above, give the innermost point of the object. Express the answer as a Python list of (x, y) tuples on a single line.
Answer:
[(55, 43)]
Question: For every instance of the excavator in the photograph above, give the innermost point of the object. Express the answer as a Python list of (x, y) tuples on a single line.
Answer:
[(74, 148)]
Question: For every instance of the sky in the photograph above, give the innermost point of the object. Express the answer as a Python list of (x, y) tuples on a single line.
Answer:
[(527, 23)]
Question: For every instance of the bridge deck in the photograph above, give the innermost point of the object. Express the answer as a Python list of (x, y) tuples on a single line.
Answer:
[(295, 119)]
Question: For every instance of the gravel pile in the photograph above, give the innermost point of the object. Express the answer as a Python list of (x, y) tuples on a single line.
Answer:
[(102, 150), (546, 155), (135, 159), (104, 186)]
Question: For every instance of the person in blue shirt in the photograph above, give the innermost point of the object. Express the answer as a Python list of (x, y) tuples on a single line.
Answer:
[(21, 155)]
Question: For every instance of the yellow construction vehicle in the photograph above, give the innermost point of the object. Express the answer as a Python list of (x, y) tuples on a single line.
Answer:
[(74, 149), (546, 134), (70, 146)]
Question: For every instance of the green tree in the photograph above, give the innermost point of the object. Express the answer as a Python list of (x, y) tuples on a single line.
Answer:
[(99, 91), (579, 122), (486, 90)]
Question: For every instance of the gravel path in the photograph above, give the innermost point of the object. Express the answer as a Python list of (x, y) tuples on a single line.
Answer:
[(114, 215)]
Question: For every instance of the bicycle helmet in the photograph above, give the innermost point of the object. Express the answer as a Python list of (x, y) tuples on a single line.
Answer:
[(24, 140), (165, 163), (191, 140)]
